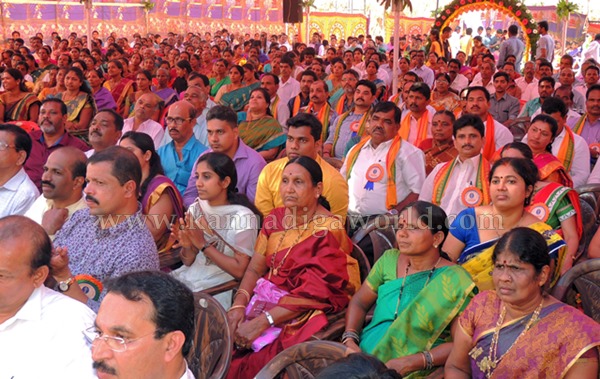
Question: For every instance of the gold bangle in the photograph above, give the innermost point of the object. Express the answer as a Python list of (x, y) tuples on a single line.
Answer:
[(239, 306), (243, 292)]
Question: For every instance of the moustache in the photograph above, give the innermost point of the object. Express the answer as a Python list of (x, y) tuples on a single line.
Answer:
[(377, 129), (49, 184), (101, 366), (92, 198), (96, 132), (467, 145)]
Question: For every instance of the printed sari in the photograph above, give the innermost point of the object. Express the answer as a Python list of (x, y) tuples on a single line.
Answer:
[(425, 311), (262, 134), (436, 154), (561, 336), (75, 106), (120, 92), (216, 86), (334, 93), (318, 275), (552, 170), (168, 95), (237, 99), (450, 102), (19, 110), (158, 186), (104, 99), (477, 259)]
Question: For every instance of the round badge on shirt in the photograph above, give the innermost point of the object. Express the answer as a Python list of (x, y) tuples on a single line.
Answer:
[(472, 197)]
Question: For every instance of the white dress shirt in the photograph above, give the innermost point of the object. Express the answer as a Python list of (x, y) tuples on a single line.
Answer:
[(42, 205), (580, 165), (478, 82), (150, 127), (45, 339), (459, 83), (283, 112), (527, 89), (410, 175), (17, 195), (464, 174), (288, 89), (502, 135), (414, 125)]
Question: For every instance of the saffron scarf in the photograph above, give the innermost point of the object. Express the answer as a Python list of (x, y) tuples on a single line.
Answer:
[(422, 126), (578, 128), (361, 126), (390, 165), (443, 176), (322, 115), (489, 148), (567, 148), (339, 108), (296, 107), (274, 105)]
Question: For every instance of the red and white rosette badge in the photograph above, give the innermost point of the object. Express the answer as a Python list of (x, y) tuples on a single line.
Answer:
[(540, 211), (472, 197), (354, 128), (374, 174)]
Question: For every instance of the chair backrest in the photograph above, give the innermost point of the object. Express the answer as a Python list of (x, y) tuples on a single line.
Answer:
[(585, 277), (363, 262), (382, 234), (304, 360), (590, 226), (590, 193), (211, 353)]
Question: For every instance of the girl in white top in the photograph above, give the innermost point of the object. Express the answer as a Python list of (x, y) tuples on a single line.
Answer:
[(219, 231)]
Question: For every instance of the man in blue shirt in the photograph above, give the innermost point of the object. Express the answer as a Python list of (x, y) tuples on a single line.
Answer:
[(178, 156)]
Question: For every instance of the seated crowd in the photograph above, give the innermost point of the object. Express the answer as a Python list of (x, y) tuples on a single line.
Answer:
[(136, 174)]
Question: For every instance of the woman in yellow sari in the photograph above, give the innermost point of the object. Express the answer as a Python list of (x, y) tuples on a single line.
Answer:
[(418, 292), (17, 103), (81, 106), (475, 231), (442, 98)]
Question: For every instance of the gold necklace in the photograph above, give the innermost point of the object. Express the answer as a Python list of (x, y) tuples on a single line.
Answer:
[(489, 363), (404, 280), (275, 270)]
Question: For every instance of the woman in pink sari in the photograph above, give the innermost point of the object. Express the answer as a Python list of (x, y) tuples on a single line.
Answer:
[(517, 330)]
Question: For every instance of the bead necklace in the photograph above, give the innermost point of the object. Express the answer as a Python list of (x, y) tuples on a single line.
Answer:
[(489, 363), (404, 280), (275, 270)]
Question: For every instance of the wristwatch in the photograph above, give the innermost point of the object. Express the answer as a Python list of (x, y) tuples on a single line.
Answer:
[(65, 284)]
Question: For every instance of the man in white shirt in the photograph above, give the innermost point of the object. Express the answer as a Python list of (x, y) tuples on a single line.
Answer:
[(279, 109), (144, 328), (415, 125), (528, 80), (459, 81), (463, 181), (17, 191), (41, 331), (545, 45), (576, 157), (424, 72), (485, 79), (593, 50), (288, 85), (62, 189), (497, 135), (142, 122), (368, 171), (105, 131)]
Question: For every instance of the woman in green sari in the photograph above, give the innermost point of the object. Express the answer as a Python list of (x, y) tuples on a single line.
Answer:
[(418, 294), (258, 129)]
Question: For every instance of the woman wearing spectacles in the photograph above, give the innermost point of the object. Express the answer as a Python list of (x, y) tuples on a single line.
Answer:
[(442, 98), (517, 330), (418, 292)]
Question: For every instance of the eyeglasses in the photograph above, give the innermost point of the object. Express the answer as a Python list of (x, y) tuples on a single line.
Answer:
[(5, 146), (117, 344), (177, 120)]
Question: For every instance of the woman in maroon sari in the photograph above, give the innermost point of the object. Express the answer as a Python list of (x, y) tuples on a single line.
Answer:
[(517, 330), (300, 271), (159, 196)]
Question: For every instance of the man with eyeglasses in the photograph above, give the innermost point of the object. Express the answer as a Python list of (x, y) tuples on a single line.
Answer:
[(144, 328), (179, 155), (198, 97), (17, 191), (40, 329), (142, 121)]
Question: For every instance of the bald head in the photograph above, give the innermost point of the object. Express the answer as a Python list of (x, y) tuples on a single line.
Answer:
[(145, 106), (184, 106), (180, 121)]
